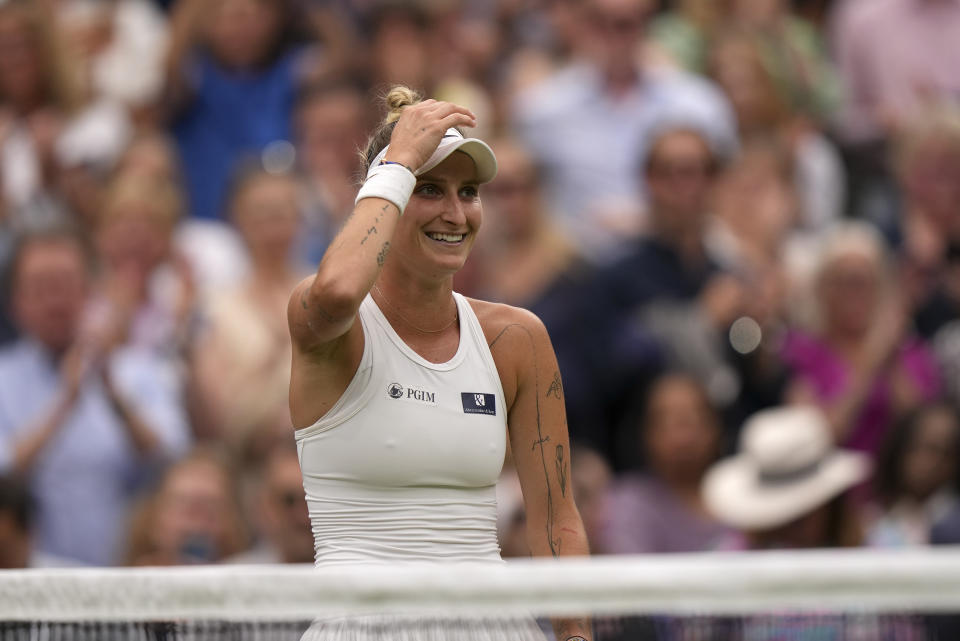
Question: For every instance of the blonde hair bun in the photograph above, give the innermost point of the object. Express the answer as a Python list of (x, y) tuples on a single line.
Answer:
[(398, 98)]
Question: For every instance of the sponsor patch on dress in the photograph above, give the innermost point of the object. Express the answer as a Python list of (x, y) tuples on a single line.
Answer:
[(415, 394), (474, 403)]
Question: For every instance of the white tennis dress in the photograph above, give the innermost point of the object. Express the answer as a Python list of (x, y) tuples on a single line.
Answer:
[(404, 468)]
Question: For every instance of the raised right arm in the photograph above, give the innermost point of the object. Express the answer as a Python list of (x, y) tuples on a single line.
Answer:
[(323, 306)]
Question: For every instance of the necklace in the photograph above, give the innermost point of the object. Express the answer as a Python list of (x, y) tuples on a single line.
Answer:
[(456, 315)]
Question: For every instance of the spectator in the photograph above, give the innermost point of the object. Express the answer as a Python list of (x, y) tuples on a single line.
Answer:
[(587, 123), (84, 417), (193, 516), (523, 258), (242, 360), (861, 363), (927, 161), (752, 236), (683, 33), (794, 54), (332, 122), (679, 169), (591, 476), (667, 277), (280, 512), (786, 486), (917, 477), (233, 73), (39, 92), (754, 210), (213, 250), (895, 56), (149, 288), (661, 509), (398, 41), (765, 112), (122, 45)]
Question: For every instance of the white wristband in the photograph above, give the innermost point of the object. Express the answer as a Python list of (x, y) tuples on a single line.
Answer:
[(391, 182)]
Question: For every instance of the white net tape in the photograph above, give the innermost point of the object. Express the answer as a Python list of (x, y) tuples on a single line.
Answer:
[(921, 581)]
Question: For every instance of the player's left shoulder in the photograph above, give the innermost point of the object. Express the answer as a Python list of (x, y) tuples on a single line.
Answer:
[(506, 323)]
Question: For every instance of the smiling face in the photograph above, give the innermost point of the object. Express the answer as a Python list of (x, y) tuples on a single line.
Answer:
[(440, 224)]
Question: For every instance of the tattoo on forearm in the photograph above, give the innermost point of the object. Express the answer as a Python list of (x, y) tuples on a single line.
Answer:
[(562, 471), (382, 256), (556, 387), (370, 232)]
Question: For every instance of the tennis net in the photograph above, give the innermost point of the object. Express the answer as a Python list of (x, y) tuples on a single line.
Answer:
[(816, 596)]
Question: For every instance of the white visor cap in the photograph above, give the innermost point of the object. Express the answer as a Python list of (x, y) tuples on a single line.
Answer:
[(452, 141)]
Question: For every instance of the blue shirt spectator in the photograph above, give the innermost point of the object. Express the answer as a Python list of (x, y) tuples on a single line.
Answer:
[(595, 140), (588, 125), (234, 70), (234, 115), (84, 420), (85, 477)]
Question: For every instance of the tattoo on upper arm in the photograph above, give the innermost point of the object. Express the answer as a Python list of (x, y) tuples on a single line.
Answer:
[(553, 542), (562, 471), (382, 256), (315, 309), (556, 387)]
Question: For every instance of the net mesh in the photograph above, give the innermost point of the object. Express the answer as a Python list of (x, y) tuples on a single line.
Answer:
[(816, 596)]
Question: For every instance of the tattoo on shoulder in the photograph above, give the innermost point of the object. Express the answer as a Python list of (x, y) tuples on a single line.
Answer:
[(382, 256), (504, 331), (556, 387)]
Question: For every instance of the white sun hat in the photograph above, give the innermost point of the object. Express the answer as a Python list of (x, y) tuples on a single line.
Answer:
[(787, 467), (452, 141)]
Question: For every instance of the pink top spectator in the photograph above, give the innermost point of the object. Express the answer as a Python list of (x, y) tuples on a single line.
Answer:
[(816, 363), (644, 516), (894, 55)]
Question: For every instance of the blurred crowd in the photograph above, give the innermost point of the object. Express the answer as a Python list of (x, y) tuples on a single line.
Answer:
[(739, 220)]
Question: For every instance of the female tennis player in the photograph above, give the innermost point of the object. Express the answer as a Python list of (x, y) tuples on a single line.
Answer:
[(405, 391)]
